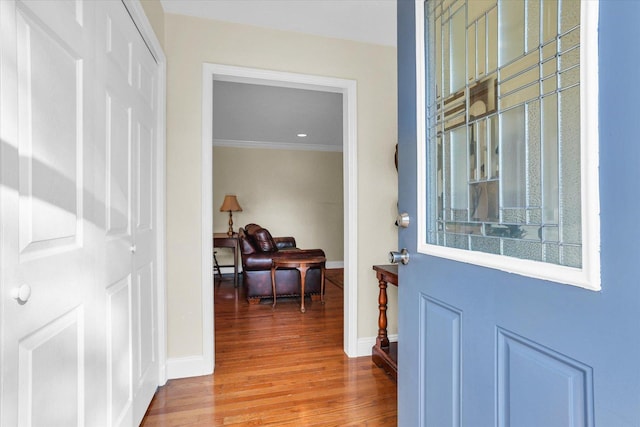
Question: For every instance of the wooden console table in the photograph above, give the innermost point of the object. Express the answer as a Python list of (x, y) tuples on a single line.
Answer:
[(384, 353), (223, 240)]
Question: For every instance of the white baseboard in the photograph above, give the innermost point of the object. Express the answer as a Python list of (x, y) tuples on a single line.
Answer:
[(190, 366), (227, 270), (365, 344)]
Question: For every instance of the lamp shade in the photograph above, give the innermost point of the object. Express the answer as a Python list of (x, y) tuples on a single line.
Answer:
[(230, 204)]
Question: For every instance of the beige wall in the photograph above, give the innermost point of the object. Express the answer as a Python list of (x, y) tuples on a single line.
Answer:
[(190, 42), (155, 13), (291, 193)]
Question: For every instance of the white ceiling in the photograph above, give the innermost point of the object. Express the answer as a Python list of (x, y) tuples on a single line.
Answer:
[(248, 114), (370, 21), (258, 115)]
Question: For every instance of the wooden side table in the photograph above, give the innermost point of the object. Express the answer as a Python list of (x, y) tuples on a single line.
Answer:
[(302, 265), (223, 240), (384, 353)]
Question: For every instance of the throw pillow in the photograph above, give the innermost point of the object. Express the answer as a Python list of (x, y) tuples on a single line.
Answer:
[(265, 241), (251, 228)]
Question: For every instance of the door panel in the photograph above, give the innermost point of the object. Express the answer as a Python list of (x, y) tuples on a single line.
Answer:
[(442, 331), (538, 386), (144, 295), (144, 214), (77, 210), (51, 358), (119, 373), (483, 347), (144, 169), (145, 371), (118, 45), (45, 152), (118, 167), (49, 217), (130, 212)]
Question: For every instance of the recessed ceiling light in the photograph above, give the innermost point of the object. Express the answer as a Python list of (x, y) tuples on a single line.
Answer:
[(302, 135)]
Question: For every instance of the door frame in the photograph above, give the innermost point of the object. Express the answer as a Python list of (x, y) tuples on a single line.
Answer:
[(348, 89), (147, 33)]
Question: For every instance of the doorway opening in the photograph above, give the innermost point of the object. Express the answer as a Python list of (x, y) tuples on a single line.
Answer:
[(215, 72)]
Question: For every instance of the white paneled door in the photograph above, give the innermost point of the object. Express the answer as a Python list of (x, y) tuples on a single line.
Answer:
[(77, 210), (127, 101), (47, 223)]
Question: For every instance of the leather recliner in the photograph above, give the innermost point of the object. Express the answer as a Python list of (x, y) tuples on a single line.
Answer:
[(258, 249)]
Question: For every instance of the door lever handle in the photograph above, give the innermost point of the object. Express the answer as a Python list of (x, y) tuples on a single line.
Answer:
[(399, 257)]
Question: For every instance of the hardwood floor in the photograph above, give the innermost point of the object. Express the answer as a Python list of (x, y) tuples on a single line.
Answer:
[(278, 368)]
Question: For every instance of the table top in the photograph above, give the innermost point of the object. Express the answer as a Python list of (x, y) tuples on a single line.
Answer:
[(292, 261), (224, 236), (387, 272)]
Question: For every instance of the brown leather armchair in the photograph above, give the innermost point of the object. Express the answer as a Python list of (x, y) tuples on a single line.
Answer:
[(258, 249)]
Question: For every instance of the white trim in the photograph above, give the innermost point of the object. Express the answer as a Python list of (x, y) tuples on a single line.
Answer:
[(590, 142), (230, 73), (208, 331), (350, 201), (587, 277), (185, 367), (348, 88), (144, 26), (276, 145), (335, 264), (229, 270)]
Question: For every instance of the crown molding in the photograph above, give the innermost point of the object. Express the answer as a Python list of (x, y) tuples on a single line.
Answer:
[(276, 145)]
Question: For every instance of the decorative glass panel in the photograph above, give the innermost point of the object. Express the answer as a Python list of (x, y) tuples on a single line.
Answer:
[(534, 163), (549, 20), (459, 177), (481, 54), (473, 48), (550, 163), (492, 40), (510, 30), (533, 25), (513, 156), (503, 152), (458, 43), (446, 59)]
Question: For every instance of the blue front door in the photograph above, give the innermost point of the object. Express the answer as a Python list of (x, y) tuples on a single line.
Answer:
[(483, 347)]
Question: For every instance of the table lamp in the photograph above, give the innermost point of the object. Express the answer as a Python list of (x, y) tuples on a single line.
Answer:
[(230, 204)]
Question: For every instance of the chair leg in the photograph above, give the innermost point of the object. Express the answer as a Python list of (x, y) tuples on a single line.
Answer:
[(216, 266)]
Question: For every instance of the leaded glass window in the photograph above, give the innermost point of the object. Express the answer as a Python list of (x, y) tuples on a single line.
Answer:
[(503, 115)]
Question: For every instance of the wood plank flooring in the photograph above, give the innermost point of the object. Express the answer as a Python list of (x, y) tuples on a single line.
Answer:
[(278, 367)]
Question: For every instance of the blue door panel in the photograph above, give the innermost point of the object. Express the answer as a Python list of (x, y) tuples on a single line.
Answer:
[(539, 387), (482, 347), (441, 333)]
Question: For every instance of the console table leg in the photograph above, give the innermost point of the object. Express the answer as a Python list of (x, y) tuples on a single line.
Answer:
[(382, 340)]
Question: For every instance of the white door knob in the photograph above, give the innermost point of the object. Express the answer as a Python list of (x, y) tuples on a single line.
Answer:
[(21, 294), (133, 249)]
